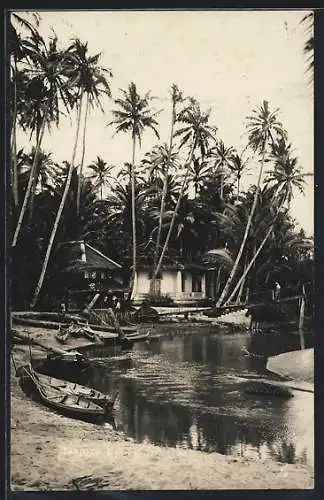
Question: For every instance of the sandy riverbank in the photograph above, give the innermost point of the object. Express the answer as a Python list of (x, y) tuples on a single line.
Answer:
[(49, 451)]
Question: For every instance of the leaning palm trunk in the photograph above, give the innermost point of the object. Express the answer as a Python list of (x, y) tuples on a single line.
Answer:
[(164, 194), (31, 181), (132, 280), (249, 266), (175, 212), (247, 229), (33, 194), (34, 186), (256, 253), (82, 155), (240, 293), (59, 212)]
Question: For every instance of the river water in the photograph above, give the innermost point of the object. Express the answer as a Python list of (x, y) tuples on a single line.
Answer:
[(186, 389)]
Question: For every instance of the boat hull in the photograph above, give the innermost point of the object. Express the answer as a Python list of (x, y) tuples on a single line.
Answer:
[(69, 405)]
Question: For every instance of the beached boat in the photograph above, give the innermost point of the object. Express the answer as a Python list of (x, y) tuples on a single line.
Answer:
[(70, 404), (56, 321), (75, 331), (74, 357), (75, 389)]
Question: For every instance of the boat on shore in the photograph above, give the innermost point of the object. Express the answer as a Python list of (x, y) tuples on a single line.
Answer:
[(75, 389), (70, 404), (55, 321)]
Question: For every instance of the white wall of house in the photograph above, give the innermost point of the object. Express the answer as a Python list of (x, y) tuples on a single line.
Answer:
[(168, 284), (171, 284)]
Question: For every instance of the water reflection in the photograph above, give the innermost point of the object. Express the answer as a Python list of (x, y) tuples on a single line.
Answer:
[(186, 391)]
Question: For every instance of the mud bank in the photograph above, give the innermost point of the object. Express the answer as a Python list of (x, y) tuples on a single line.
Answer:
[(50, 452)]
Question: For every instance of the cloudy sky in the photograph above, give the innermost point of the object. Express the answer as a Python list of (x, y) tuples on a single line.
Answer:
[(229, 60)]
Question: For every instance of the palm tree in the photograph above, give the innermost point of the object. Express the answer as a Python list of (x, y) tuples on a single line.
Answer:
[(101, 171), (155, 162), (263, 127), (280, 184), (48, 84), (134, 115), (120, 218), (92, 87), (199, 172), (190, 226), (125, 175), (308, 22), (168, 159), (286, 174), (22, 20), (90, 79), (60, 210), (268, 210), (44, 169), (197, 133), (237, 166), (223, 160)]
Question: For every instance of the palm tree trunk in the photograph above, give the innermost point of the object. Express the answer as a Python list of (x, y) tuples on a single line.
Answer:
[(33, 194), (82, 155), (30, 181), (238, 188), (184, 183), (132, 280), (34, 184), (14, 173), (222, 185), (218, 279), (247, 229), (249, 266), (59, 212), (240, 293), (256, 253), (164, 194)]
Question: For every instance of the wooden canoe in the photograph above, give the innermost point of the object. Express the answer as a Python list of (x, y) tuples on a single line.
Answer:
[(71, 404), (77, 389), (63, 334), (69, 357), (55, 321)]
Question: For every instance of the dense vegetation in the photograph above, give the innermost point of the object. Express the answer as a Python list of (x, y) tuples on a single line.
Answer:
[(183, 202)]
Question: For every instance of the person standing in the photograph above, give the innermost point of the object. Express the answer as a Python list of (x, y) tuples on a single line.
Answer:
[(276, 292)]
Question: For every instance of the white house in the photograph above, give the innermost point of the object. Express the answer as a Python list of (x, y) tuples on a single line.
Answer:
[(184, 284)]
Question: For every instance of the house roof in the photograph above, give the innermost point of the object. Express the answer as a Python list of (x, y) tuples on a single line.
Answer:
[(81, 255), (97, 259)]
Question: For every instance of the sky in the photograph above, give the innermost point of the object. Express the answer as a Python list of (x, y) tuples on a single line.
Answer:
[(229, 60)]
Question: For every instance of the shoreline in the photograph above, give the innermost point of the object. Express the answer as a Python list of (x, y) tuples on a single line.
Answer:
[(49, 451)]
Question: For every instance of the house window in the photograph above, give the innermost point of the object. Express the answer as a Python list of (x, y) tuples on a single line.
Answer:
[(196, 282), (102, 275), (93, 275), (183, 281), (86, 274)]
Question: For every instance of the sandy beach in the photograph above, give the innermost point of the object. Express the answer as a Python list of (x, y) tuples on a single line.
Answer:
[(51, 452)]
